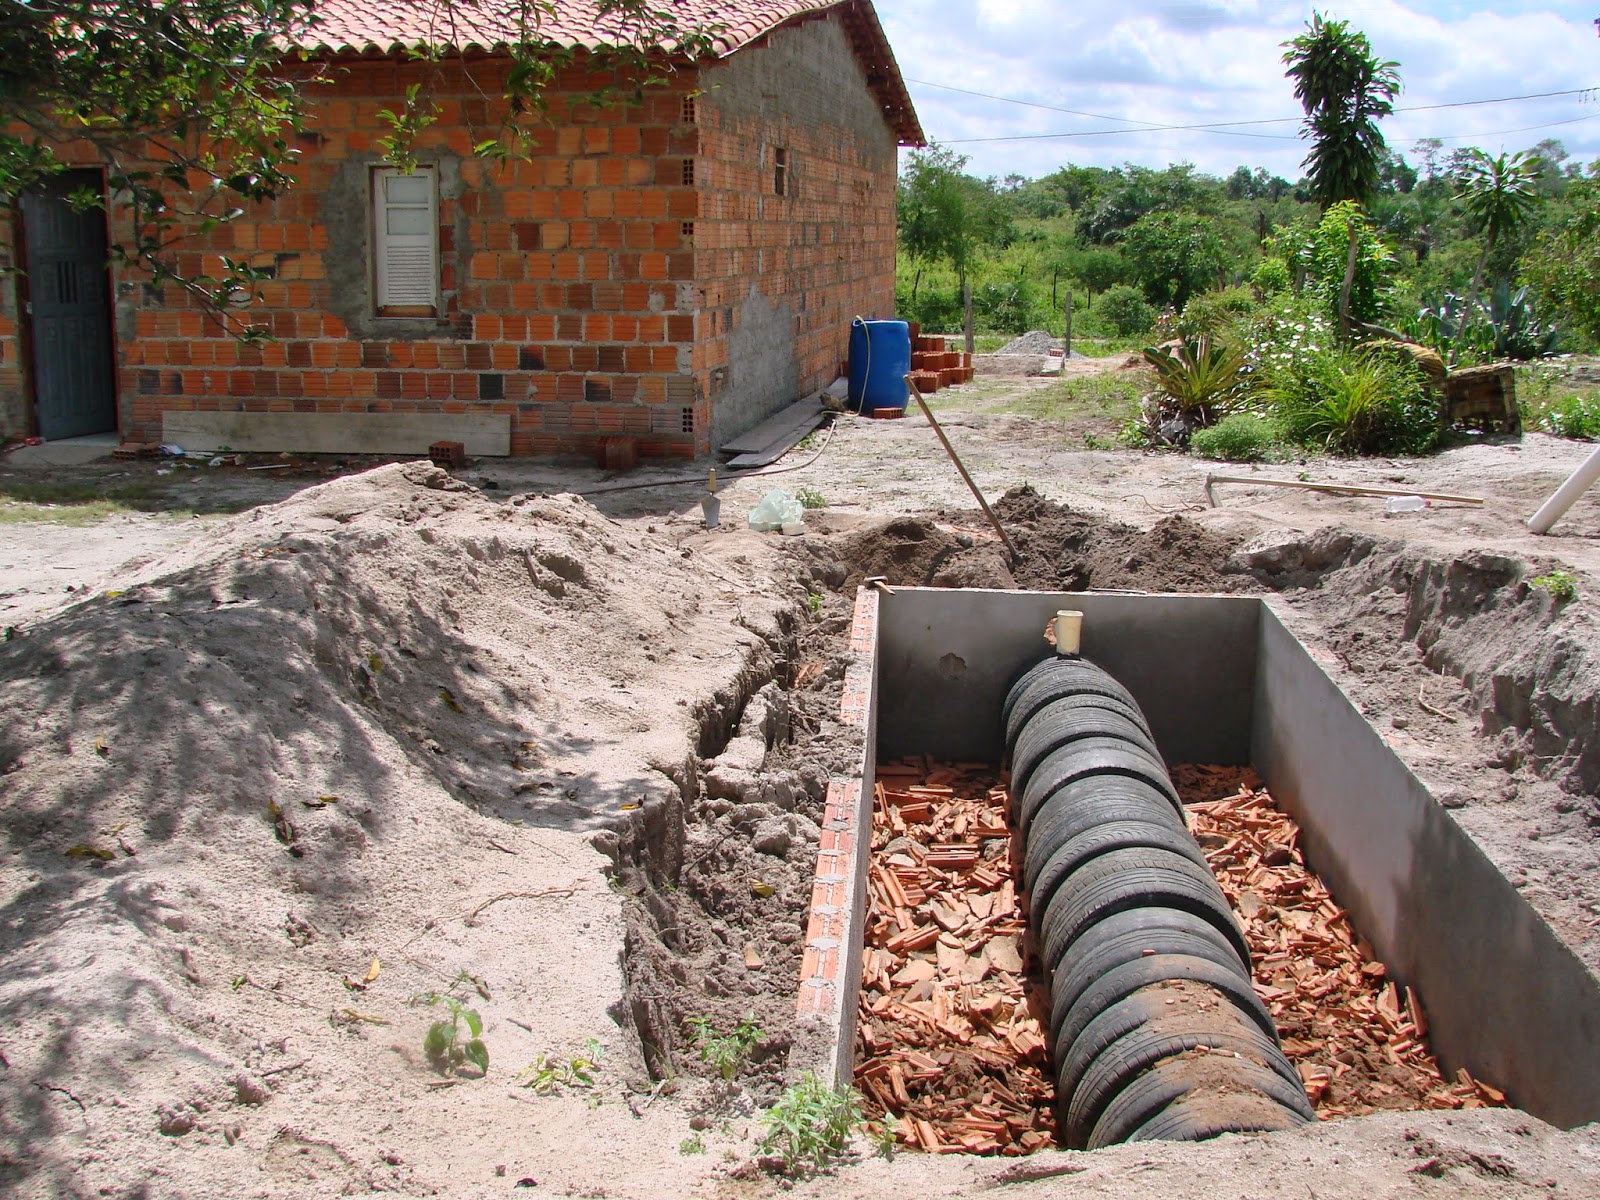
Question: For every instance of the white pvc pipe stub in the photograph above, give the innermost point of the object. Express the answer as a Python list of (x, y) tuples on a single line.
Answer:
[(1068, 630), (1567, 494)]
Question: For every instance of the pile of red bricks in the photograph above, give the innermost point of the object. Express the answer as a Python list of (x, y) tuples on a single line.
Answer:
[(934, 367)]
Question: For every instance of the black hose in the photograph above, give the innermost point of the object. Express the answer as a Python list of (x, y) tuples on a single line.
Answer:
[(700, 480)]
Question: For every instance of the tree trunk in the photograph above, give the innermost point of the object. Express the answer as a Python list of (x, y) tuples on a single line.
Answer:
[(1066, 342), (1477, 276), (1349, 282), (916, 282)]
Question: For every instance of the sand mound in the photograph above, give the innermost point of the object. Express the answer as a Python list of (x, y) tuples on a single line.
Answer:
[(328, 735)]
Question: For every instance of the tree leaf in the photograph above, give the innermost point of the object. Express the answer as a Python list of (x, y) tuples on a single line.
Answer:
[(436, 1044), (478, 1054)]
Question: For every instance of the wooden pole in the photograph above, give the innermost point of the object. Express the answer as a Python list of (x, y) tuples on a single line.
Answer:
[(1066, 342), (951, 451), (1336, 488), (966, 305)]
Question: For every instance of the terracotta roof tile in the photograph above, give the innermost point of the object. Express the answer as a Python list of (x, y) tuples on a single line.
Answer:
[(364, 25), (349, 27)]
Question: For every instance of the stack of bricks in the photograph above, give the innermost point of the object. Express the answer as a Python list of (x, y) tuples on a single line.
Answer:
[(934, 367)]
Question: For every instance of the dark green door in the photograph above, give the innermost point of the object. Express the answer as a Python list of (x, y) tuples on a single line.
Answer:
[(69, 307)]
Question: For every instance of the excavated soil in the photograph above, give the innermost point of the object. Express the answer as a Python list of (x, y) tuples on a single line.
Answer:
[(268, 790)]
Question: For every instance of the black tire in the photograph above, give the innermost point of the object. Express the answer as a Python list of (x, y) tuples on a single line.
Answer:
[(1080, 760), (1053, 677), (1128, 937), (1102, 1069), (1053, 728), (1061, 696), (1081, 802), (1147, 1009), (1196, 1118), (1116, 985), (1086, 803), (1138, 878), (1196, 1075), (1077, 851)]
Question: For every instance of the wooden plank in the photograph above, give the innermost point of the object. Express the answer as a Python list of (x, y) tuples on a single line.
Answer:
[(486, 434), (776, 436)]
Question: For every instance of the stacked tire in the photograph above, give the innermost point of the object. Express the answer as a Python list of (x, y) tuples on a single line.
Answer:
[(1156, 1031)]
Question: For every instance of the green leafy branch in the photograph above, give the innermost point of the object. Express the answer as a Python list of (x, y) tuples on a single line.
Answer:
[(810, 1126)]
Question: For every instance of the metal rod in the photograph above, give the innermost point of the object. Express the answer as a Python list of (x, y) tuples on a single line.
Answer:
[(1337, 488), (951, 451)]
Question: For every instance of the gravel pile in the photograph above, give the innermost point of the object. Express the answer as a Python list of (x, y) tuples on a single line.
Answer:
[(1035, 341)]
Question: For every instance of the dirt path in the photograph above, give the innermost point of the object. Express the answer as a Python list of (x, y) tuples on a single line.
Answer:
[(396, 737)]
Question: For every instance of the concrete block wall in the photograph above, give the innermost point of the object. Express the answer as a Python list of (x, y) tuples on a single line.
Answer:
[(782, 275)]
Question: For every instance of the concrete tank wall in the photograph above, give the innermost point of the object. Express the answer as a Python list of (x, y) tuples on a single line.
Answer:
[(1223, 681)]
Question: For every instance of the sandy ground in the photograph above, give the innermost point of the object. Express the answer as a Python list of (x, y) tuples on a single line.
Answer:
[(268, 782)]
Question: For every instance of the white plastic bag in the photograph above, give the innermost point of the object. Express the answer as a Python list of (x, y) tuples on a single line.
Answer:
[(777, 509)]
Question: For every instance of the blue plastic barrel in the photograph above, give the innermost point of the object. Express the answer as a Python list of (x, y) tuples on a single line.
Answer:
[(880, 359)]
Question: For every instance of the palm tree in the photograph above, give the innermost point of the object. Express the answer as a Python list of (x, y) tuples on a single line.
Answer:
[(1344, 89), (1498, 195)]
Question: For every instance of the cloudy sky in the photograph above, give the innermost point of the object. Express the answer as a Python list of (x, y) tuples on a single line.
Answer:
[(1126, 65)]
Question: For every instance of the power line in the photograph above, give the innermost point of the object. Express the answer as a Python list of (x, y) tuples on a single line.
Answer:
[(1218, 126)]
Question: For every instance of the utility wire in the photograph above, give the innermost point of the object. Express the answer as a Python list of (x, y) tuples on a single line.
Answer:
[(1263, 121), (1220, 126)]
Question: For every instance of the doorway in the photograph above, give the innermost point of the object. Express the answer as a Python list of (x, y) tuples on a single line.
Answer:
[(69, 308)]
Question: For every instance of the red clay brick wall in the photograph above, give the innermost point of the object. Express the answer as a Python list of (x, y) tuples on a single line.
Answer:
[(584, 291), (818, 255), (560, 279)]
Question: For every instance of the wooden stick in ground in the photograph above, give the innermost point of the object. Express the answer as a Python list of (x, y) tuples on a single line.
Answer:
[(1337, 488), (951, 451)]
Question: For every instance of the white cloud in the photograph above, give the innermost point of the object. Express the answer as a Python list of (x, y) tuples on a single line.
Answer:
[(1195, 62)]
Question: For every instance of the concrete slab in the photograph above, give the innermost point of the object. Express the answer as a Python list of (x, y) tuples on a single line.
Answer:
[(484, 434), (65, 452)]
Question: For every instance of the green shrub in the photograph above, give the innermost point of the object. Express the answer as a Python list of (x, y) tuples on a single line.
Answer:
[(1358, 401), (1573, 417), (1201, 377), (1239, 437), (1271, 277), (1124, 311), (810, 1125), (1212, 314)]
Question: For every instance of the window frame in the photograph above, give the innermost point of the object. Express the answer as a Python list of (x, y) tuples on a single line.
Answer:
[(382, 242)]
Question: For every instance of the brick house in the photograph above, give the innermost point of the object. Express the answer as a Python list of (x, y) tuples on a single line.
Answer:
[(675, 270)]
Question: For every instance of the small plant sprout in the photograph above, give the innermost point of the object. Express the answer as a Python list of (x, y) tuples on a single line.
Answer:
[(726, 1052), (811, 498), (814, 602), (809, 1127), (454, 1041), (1562, 585), (549, 1073), (691, 1145)]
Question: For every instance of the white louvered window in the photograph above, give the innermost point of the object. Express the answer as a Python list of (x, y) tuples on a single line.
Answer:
[(405, 242)]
